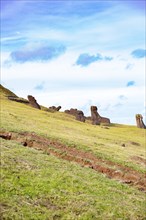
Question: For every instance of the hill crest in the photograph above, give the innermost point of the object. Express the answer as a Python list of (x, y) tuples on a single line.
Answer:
[(6, 92)]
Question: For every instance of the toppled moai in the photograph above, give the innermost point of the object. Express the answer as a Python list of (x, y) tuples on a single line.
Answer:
[(72, 111), (96, 118), (79, 115), (17, 99), (33, 102), (139, 121), (54, 109)]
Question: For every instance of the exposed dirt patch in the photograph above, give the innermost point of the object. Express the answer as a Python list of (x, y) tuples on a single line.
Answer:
[(110, 169), (6, 136), (139, 160), (134, 143)]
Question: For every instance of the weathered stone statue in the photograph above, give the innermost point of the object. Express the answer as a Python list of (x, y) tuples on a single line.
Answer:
[(139, 121), (54, 109), (104, 120), (80, 116), (58, 108), (72, 111), (96, 118), (33, 102)]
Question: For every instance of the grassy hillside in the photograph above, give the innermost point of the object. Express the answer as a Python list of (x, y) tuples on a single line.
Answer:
[(6, 92), (55, 167)]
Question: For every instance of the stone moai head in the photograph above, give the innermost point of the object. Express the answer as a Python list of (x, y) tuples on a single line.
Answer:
[(33, 102), (94, 109), (58, 108), (139, 121), (31, 98), (95, 118)]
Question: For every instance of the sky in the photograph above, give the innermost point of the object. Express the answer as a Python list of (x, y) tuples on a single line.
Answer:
[(77, 54)]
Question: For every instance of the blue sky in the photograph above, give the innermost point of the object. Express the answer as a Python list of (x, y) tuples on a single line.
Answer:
[(76, 54)]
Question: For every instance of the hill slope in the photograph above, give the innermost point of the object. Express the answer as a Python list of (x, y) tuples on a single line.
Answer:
[(6, 92), (79, 172)]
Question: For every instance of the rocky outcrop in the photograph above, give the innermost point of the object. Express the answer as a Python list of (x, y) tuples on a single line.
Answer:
[(79, 115), (96, 118), (139, 121), (54, 109), (33, 102)]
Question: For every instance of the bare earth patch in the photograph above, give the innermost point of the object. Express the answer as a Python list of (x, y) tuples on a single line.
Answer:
[(110, 169), (139, 160)]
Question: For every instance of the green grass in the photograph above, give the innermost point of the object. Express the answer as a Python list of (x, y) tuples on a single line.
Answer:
[(39, 186)]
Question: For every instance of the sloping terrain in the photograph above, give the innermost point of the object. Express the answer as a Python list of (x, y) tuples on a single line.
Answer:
[(54, 167)]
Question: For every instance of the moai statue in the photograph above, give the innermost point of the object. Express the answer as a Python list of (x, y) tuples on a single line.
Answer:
[(72, 111), (95, 117), (139, 121), (67, 111), (58, 108), (80, 116), (33, 102), (54, 109), (104, 120)]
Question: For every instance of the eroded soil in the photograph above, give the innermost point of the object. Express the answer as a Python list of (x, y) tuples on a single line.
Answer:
[(111, 169)]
